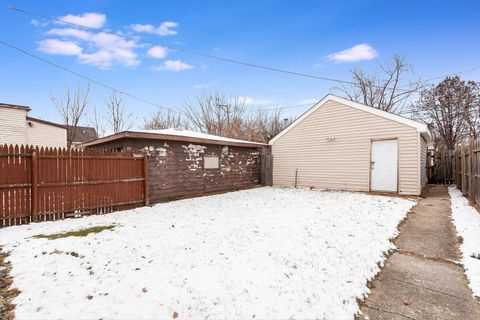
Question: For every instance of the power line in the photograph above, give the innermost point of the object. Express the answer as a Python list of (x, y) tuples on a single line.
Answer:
[(191, 52), (198, 54), (125, 93), (452, 74), (230, 60), (155, 104), (281, 108), (86, 77)]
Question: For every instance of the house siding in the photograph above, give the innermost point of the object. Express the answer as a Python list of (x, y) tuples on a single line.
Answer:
[(40, 134), (176, 168), (344, 163), (12, 126)]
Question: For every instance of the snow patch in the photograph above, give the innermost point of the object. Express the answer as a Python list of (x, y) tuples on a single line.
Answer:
[(270, 252), (467, 222)]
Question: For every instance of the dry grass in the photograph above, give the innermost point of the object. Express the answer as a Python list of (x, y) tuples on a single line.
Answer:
[(7, 294), (78, 233)]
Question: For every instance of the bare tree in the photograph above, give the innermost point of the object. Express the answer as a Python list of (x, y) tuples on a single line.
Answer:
[(386, 89), (72, 108), (226, 116), (96, 122), (216, 114), (164, 120), (263, 125), (471, 107), (451, 109), (117, 118)]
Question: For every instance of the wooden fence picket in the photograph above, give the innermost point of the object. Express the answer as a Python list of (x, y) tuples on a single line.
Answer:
[(464, 169), (39, 184)]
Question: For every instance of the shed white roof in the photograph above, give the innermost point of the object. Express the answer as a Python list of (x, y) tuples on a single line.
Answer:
[(194, 134), (421, 127)]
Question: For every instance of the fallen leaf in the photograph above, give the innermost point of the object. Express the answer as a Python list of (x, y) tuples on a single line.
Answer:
[(144, 290), (175, 315)]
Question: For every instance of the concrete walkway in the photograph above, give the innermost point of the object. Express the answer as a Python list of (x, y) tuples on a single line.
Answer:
[(421, 280)]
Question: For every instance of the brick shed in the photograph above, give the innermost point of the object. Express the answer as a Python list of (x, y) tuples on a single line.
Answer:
[(184, 163)]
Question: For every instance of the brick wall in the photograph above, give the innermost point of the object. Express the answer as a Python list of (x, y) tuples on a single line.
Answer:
[(176, 169)]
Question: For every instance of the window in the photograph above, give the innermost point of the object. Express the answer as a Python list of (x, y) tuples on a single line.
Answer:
[(210, 162)]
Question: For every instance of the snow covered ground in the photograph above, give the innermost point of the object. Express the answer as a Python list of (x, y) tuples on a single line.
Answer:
[(263, 253), (467, 222)]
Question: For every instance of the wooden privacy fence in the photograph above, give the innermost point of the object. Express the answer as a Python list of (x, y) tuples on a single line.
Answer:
[(38, 184), (440, 168), (266, 169), (466, 170), (462, 167)]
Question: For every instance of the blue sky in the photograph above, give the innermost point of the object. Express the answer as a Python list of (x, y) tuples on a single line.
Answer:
[(435, 37)]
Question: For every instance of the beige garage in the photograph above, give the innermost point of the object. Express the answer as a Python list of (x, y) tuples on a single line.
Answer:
[(343, 145)]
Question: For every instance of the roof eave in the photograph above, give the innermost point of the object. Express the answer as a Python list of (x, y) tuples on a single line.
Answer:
[(157, 136), (352, 104), (15, 106)]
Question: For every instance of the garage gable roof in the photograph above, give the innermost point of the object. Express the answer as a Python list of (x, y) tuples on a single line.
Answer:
[(421, 127)]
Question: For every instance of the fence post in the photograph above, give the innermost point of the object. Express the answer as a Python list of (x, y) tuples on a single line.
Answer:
[(472, 171), (145, 178), (464, 170), (34, 192), (470, 167)]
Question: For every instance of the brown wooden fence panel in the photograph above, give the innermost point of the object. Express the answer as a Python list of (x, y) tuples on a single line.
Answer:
[(50, 184), (266, 169), (15, 185), (464, 167)]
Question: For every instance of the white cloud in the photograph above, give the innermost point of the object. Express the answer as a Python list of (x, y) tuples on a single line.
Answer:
[(173, 65), (252, 101), (308, 101), (105, 49), (143, 28), (38, 23), (204, 85), (110, 49), (101, 49), (88, 19), (55, 46), (158, 52), (164, 29), (318, 66), (71, 32), (356, 53)]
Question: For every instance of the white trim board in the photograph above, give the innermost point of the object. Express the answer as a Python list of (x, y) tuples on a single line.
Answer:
[(421, 127)]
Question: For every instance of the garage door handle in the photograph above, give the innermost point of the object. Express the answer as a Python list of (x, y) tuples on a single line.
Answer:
[(372, 164)]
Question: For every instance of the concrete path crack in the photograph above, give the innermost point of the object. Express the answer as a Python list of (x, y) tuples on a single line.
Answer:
[(439, 259), (390, 312), (426, 288)]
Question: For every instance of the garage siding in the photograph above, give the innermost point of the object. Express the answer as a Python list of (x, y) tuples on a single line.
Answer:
[(344, 163)]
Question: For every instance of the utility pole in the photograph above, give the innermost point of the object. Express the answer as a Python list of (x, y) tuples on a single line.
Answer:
[(226, 110)]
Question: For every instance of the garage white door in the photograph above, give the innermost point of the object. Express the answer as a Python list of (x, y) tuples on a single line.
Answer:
[(384, 165)]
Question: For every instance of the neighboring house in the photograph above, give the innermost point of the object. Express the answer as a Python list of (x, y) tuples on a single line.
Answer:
[(343, 145), (16, 127), (186, 163), (77, 135)]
